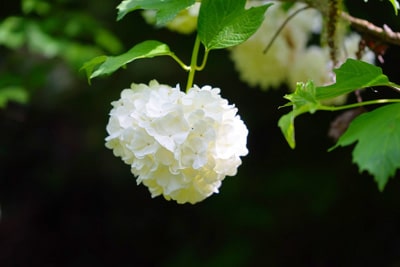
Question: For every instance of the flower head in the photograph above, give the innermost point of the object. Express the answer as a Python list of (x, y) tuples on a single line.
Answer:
[(269, 69), (180, 145)]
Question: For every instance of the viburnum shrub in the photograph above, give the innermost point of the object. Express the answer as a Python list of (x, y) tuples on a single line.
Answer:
[(181, 144)]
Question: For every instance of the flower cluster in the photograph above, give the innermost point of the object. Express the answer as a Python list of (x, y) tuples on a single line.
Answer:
[(290, 59), (180, 145), (269, 70)]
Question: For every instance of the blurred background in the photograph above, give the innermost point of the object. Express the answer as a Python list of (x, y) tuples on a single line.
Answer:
[(67, 201)]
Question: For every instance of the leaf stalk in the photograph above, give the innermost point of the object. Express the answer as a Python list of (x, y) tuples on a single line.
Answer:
[(359, 104), (193, 63)]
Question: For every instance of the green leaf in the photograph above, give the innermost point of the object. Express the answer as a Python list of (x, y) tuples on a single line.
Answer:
[(108, 41), (225, 23), (166, 9), (354, 75), (286, 6), (13, 32), (40, 41), (286, 124), (38, 6), (91, 65), (304, 97), (105, 65), (303, 100), (377, 134), (13, 93)]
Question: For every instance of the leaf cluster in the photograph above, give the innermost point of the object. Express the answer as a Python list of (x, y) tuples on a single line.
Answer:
[(47, 32), (377, 133), (221, 24)]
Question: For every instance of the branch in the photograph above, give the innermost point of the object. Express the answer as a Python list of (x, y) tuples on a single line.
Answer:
[(283, 26), (384, 34)]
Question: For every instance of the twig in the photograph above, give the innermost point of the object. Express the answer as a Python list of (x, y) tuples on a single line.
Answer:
[(384, 34), (283, 26)]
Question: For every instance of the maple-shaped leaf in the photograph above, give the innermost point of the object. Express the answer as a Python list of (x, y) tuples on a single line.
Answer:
[(377, 134)]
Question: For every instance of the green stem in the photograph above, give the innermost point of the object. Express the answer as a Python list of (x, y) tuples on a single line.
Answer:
[(203, 64), (183, 65), (193, 63), (360, 104)]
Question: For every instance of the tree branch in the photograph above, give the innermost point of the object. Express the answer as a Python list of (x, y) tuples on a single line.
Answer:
[(384, 34)]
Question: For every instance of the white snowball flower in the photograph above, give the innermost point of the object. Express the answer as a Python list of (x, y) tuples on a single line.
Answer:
[(180, 145), (269, 70), (185, 21)]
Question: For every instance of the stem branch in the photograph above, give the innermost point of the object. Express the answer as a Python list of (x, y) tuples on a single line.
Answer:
[(359, 104), (384, 34), (177, 59), (203, 64)]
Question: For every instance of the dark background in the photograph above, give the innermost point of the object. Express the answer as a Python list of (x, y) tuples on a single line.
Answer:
[(67, 201)]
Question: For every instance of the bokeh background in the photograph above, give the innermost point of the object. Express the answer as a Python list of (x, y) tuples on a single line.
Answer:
[(67, 201)]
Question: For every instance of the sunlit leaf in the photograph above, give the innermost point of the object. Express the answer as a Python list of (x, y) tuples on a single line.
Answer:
[(395, 5), (302, 100), (38, 6), (166, 9), (286, 124), (304, 97), (351, 76), (12, 32), (13, 93), (225, 23), (40, 41), (377, 137)]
